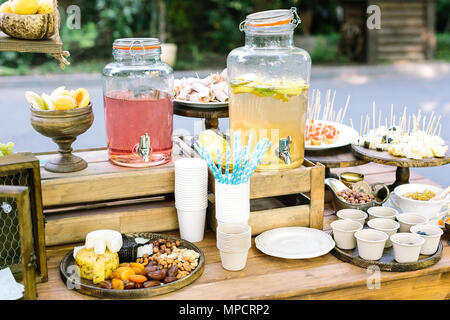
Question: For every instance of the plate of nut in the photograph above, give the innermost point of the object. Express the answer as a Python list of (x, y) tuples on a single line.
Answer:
[(139, 265), (361, 196)]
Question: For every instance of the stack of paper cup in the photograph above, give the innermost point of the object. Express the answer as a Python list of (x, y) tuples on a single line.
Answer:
[(191, 197), (233, 242), (232, 202)]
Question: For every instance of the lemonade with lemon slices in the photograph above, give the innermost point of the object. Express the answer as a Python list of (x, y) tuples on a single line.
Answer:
[(271, 109)]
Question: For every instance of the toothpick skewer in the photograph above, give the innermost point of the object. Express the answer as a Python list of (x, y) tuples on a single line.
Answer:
[(379, 118), (345, 109), (409, 124), (361, 126), (423, 123), (373, 115), (365, 125), (437, 125), (430, 129), (385, 122), (392, 113), (351, 123), (440, 128), (334, 96)]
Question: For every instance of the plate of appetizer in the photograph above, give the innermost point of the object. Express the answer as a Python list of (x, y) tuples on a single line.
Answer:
[(133, 265), (413, 138), (321, 135), (208, 92)]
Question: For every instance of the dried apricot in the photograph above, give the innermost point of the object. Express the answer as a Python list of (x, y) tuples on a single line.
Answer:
[(137, 278), (137, 265), (126, 274), (117, 284), (124, 264)]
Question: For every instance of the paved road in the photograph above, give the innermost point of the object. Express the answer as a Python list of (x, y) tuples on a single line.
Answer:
[(424, 86)]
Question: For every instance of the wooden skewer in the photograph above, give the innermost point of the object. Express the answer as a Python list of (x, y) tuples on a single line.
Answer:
[(373, 114), (430, 129), (437, 125), (365, 125), (345, 108), (409, 124), (392, 113), (334, 96), (440, 128), (423, 123), (351, 123), (379, 118), (361, 126)]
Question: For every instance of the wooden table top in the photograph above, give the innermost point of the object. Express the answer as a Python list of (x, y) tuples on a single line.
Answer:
[(267, 277), (335, 158)]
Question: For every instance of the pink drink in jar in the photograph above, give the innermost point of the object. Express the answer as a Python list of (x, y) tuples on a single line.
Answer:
[(129, 118)]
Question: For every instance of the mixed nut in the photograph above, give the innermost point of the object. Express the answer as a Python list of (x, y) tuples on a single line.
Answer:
[(167, 264), (355, 197)]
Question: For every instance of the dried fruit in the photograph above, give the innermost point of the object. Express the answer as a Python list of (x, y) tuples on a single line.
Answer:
[(125, 275), (137, 278), (117, 284)]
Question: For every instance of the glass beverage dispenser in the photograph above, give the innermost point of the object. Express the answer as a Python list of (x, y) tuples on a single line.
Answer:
[(269, 81), (138, 97)]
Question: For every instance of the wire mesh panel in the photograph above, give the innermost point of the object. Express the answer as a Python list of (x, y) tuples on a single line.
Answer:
[(9, 235), (23, 170)]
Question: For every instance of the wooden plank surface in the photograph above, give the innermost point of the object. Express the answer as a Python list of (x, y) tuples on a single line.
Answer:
[(267, 277), (50, 46)]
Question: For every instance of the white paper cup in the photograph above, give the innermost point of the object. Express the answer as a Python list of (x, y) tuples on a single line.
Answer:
[(407, 247), (233, 237), (352, 214), (344, 233), (382, 212), (407, 220), (232, 202), (432, 237), (233, 261), (370, 243), (192, 224), (388, 226)]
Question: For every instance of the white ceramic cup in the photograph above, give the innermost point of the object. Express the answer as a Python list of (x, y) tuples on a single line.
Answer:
[(233, 261), (382, 212), (371, 243), (407, 220), (388, 226), (432, 237), (352, 214), (192, 224), (429, 209), (407, 247), (344, 233), (232, 202)]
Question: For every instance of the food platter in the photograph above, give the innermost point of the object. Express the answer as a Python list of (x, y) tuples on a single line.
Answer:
[(347, 135), (387, 262), (203, 105), (72, 281), (294, 243), (384, 157)]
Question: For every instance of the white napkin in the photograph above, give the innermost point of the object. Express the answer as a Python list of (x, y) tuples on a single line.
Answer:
[(9, 288)]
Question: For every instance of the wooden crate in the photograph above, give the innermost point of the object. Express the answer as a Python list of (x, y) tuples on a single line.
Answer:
[(105, 196), (282, 199)]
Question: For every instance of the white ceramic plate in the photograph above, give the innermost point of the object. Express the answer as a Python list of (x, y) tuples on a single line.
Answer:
[(294, 243), (208, 105), (347, 135), (433, 221)]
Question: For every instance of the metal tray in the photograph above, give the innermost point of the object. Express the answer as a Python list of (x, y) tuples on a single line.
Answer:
[(72, 281)]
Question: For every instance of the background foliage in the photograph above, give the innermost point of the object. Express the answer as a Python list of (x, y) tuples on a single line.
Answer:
[(205, 31)]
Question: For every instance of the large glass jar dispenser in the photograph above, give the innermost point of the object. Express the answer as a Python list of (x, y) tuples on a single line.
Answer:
[(269, 81), (138, 97)]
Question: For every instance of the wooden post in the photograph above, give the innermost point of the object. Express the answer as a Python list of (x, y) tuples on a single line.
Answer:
[(371, 37), (430, 22), (317, 197)]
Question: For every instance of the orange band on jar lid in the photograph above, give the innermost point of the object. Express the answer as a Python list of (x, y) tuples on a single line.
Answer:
[(137, 47), (271, 24)]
